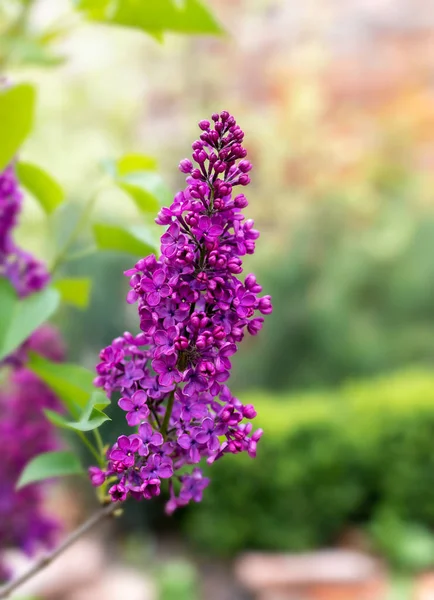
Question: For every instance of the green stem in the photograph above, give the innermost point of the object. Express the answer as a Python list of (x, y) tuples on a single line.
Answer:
[(16, 29), (167, 415), (62, 256), (91, 448), (99, 442), (81, 253), (157, 420)]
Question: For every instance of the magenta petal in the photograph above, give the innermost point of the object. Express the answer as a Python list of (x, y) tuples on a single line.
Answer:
[(166, 238), (202, 437), (139, 397), (194, 454), (166, 378), (169, 250), (165, 291), (153, 298), (128, 461), (147, 285), (159, 277), (165, 471), (204, 222), (124, 442), (126, 404), (215, 231), (228, 350), (157, 439), (159, 365), (133, 418), (135, 444), (160, 337), (145, 430), (117, 454), (248, 300), (184, 441), (132, 297), (214, 443)]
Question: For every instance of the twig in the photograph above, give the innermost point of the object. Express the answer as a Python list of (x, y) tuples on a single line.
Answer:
[(43, 562), (167, 416)]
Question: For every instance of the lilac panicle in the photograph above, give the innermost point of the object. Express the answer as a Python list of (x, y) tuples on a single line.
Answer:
[(24, 431), (194, 309), (26, 273)]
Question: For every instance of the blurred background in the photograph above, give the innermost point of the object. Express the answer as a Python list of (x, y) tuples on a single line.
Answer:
[(336, 99)]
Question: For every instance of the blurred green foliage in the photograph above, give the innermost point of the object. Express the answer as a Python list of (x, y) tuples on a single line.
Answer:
[(177, 580), (181, 16), (327, 462), (409, 547), (22, 43), (352, 297)]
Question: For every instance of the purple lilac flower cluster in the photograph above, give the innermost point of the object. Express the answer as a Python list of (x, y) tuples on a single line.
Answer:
[(26, 273), (23, 399), (194, 309), (22, 522), (23, 396)]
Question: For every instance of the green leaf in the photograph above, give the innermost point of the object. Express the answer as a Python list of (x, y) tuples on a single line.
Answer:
[(8, 300), (20, 317), (17, 106), (131, 163), (135, 174), (133, 240), (92, 417), (73, 384), (49, 465), (23, 49), (189, 16), (147, 189), (41, 185), (74, 290)]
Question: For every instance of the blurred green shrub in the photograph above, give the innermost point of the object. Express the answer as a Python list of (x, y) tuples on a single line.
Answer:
[(177, 580), (352, 297), (326, 462), (409, 547)]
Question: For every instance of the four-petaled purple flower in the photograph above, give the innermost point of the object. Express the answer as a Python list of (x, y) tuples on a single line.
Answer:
[(125, 450), (149, 436), (118, 492), (165, 341), (156, 287), (172, 241), (166, 369), (136, 407), (157, 467), (207, 433), (132, 373)]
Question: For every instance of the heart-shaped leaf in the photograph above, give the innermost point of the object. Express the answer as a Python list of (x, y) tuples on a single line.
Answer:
[(91, 418), (49, 465), (19, 317), (74, 290), (188, 16), (73, 384), (46, 190), (17, 106), (133, 240)]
